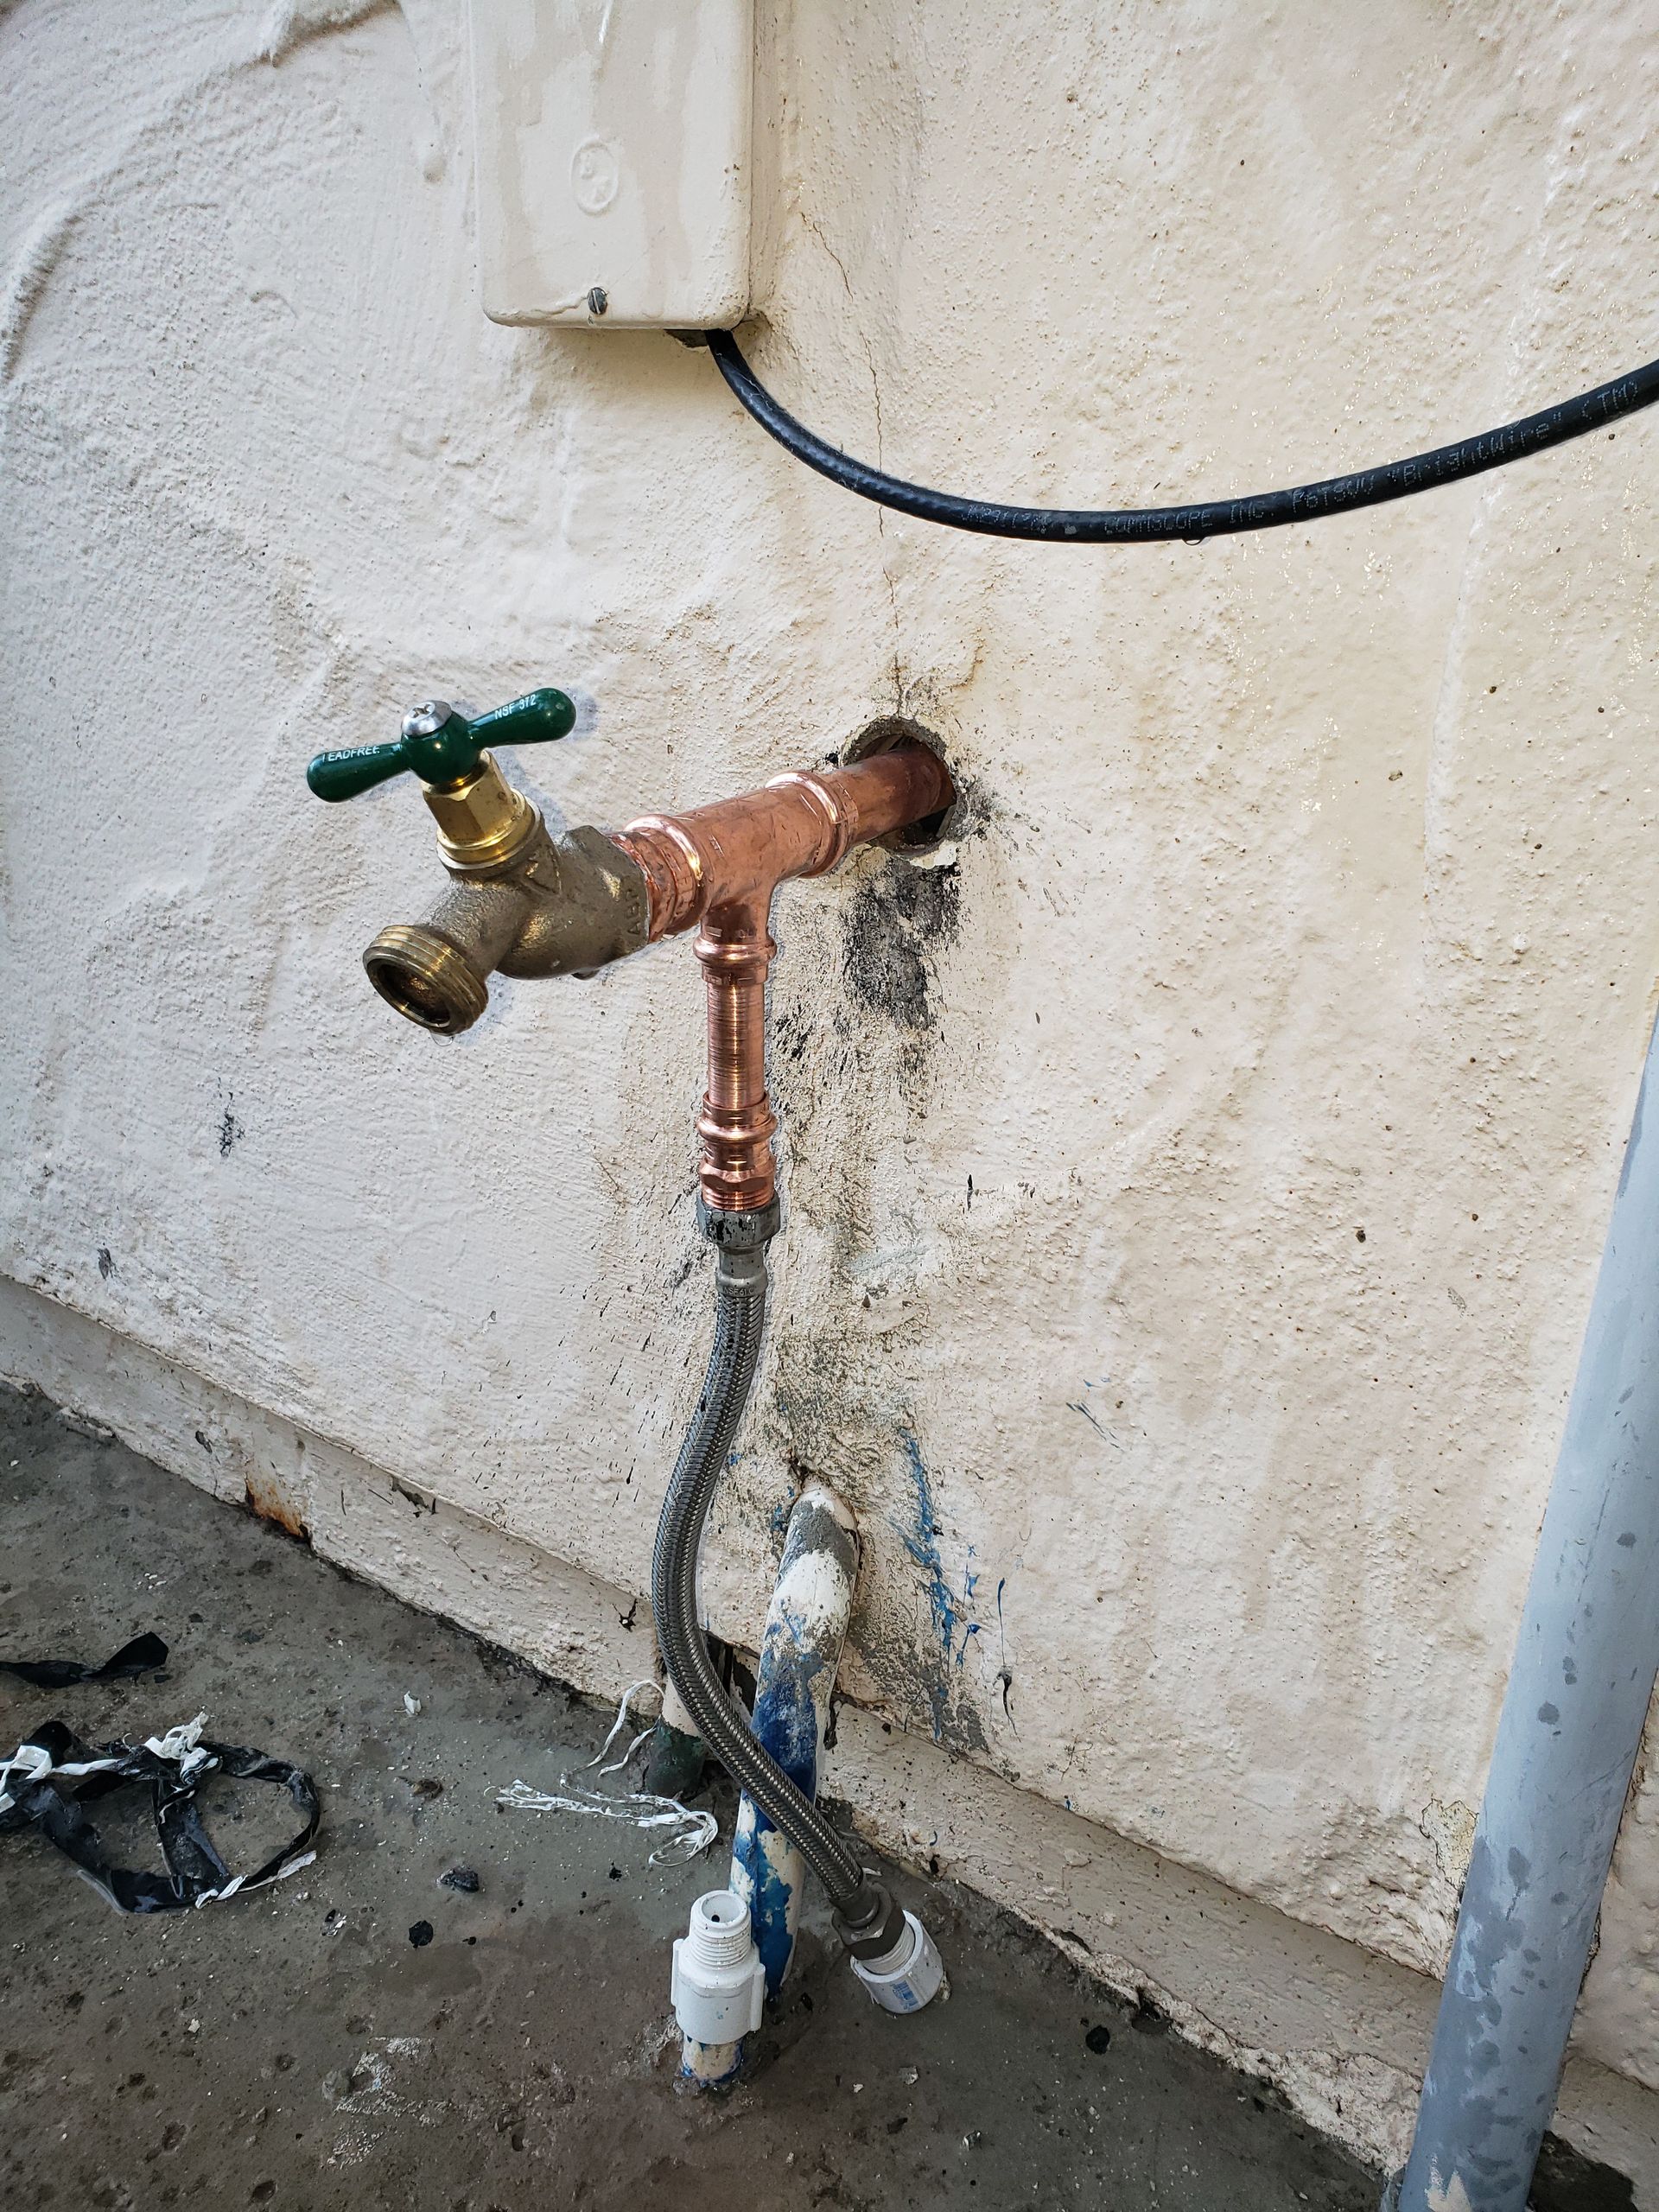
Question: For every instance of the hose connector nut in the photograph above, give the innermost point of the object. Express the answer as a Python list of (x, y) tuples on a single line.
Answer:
[(870, 1922), (719, 1985), (739, 1232)]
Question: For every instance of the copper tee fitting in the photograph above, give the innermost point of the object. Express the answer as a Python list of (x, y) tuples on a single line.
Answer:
[(719, 866)]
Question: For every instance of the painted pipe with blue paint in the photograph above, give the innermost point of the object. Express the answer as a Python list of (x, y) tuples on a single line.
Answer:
[(800, 1653)]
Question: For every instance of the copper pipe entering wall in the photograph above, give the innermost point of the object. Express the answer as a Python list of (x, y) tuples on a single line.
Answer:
[(720, 865)]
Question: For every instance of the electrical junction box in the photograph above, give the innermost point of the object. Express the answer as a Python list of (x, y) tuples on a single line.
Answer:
[(612, 161)]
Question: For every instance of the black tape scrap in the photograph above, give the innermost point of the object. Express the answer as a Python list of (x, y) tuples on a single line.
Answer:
[(55, 1805)]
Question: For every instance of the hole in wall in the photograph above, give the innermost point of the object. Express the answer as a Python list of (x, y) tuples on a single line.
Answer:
[(880, 736)]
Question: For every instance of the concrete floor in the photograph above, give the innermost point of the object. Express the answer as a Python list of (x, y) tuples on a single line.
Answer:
[(295, 2048)]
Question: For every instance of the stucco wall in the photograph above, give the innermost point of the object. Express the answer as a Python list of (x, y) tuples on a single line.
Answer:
[(1304, 885)]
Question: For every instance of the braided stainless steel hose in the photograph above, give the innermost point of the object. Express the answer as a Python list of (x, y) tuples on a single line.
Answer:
[(863, 1909)]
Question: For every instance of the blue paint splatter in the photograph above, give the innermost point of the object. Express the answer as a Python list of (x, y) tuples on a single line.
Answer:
[(924, 1548), (970, 1584), (787, 1721), (769, 1901), (1076, 1406), (950, 1613)]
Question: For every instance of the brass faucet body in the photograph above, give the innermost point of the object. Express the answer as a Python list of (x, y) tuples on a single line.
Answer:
[(525, 903), (522, 902)]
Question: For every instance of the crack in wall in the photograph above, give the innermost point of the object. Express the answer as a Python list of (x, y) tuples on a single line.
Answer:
[(815, 231)]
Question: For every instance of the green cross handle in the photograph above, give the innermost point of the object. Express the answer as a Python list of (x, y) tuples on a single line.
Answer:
[(439, 745)]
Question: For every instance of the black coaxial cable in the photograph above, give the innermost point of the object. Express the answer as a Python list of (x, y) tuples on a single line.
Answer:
[(1334, 495)]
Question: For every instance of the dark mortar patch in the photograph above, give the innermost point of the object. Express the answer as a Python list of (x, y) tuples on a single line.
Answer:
[(892, 925)]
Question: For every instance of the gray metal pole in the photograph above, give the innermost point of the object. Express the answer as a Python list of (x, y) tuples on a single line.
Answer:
[(1585, 1663)]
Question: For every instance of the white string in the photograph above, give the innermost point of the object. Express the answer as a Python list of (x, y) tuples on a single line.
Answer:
[(641, 1809)]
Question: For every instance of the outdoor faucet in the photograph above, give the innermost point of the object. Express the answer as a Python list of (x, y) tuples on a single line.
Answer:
[(522, 902)]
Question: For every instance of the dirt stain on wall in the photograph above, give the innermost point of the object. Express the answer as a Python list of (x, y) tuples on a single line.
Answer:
[(894, 929)]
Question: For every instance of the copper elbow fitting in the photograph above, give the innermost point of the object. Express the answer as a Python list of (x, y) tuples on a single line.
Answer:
[(718, 866)]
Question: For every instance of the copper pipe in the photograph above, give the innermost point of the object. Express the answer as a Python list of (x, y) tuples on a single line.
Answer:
[(736, 1123), (720, 865)]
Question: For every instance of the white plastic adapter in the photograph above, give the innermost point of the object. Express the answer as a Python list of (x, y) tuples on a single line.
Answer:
[(907, 1977), (719, 1985), (613, 142)]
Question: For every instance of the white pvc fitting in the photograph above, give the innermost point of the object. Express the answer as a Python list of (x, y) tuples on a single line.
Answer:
[(719, 1986), (908, 1976)]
